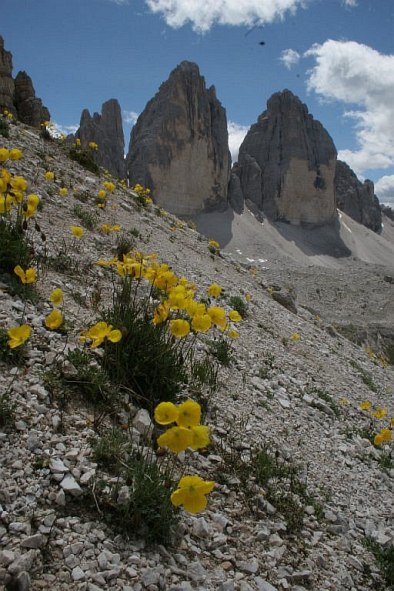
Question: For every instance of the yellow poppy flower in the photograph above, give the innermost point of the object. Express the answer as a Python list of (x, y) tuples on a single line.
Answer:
[(49, 175), (214, 290), (177, 439), (379, 413), (102, 194), (235, 316), (4, 154), (54, 319), (109, 186), (18, 335), (179, 328), (201, 322), (387, 435), (189, 414), (365, 405), (218, 316), (18, 183), (166, 413), (200, 435), (295, 337), (56, 296), (63, 191), (378, 439), (15, 154), (99, 332), (213, 244), (77, 231), (191, 493), (161, 313), (28, 276), (93, 145)]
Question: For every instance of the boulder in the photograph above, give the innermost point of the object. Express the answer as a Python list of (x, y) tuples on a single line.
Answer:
[(287, 164), (29, 108), (106, 131), (179, 145), (7, 85), (357, 199)]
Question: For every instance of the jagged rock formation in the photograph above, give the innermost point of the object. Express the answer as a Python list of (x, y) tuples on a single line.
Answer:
[(29, 108), (7, 85), (107, 131), (18, 96), (286, 164), (179, 145), (357, 199)]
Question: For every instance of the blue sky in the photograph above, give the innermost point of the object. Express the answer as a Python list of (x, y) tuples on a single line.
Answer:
[(336, 55)]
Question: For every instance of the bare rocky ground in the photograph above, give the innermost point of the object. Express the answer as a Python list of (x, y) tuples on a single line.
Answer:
[(301, 396)]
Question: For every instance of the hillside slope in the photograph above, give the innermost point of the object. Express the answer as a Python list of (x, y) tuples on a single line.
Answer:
[(293, 387)]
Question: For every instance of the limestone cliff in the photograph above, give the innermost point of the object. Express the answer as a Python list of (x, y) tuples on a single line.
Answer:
[(18, 96), (286, 164), (107, 131), (29, 108), (7, 85), (179, 145), (357, 199)]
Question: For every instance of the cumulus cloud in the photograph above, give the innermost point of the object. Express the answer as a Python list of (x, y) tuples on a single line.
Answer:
[(384, 189), (236, 134), (67, 129), (289, 57), (360, 76), (350, 3), (202, 15), (130, 117)]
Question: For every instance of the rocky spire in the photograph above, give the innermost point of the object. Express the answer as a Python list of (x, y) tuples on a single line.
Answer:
[(357, 199), (286, 164), (7, 85), (179, 145), (107, 131), (29, 108)]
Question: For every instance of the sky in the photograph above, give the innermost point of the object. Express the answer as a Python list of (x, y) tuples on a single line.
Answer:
[(337, 56)]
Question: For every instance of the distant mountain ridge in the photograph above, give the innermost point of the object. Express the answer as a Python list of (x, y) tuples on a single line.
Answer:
[(287, 168)]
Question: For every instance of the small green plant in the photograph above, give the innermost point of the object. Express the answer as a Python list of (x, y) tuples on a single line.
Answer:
[(85, 158), (323, 395), (4, 127), (92, 384), (110, 449), (7, 411), (88, 218), (123, 246), (239, 304), (146, 361), (267, 367), (14, 248), (222, 350), (384, 556), (365, 376)]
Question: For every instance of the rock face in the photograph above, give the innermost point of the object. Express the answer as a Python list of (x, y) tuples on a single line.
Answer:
[(357, 199), (179, 145), (18, 96), (107, 131), (286, 164), (7, 85), (29, 108)]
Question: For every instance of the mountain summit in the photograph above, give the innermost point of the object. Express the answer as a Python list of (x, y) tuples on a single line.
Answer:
[(286, 164), (179, 145)]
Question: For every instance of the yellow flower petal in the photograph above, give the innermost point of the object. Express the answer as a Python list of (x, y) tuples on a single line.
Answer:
[(189, 414), (166, 413)]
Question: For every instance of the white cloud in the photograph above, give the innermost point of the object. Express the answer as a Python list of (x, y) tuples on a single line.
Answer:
[(120, 2), (350, 3), (67, 129), (236, 134), (384, 189), (202, 15), (358, 75), (130, 117), (289, 57)]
